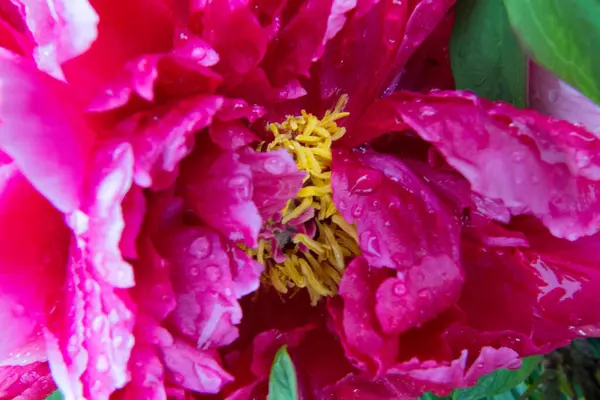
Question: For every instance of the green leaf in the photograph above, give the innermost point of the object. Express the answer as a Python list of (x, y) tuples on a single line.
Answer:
[(55, 396), (485, 54), (563, 36), (498, 382), (282, 381)]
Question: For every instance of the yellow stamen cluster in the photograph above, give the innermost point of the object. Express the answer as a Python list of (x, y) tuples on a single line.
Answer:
[(315, 263)]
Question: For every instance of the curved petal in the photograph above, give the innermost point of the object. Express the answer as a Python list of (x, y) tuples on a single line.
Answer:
[(276, 179), (557, 161), (363, 339), (230, 208), (358, 59), (551, 96), (134, 209), (194, 369), (118, 42), (62, 29), (33, 254), (29, 382), (222, 24), (88, 336), (43, 132), (399, 220), (206, 308), (302, 40), (99, 224), (147, 375), (161, 138)]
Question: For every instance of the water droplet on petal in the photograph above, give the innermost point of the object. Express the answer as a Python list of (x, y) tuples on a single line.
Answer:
[(102, 364), (552, 96), (179, 378), (201, 247), (357, 211), (97, 324), (427, 111), (275, 165), (213, 273), (367, 183), (194, 271), (370, 243), (399, 289), (240, 187)]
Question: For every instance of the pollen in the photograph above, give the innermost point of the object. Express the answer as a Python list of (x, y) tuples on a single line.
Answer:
[(308, 244)]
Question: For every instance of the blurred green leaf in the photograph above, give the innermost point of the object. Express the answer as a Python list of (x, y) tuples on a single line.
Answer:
[(55, 396), (485, 54), (283, 384), (563, 36), (498, 383)]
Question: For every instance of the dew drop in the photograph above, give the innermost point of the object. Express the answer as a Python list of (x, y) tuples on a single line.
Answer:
[(201, 247), (399, 289), (102, 364), (552, 96), (240, 187), (357, 211), (367, 183), (370, 242), (179, 378), (275, 165), (213, 273), (194, 271), (427, 111)]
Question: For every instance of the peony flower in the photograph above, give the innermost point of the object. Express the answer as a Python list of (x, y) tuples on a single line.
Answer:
[(188, 186)]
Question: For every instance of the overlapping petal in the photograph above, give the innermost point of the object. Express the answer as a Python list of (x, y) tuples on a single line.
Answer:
[(555, 160), (62, 30), (31, 276), (51, 150)]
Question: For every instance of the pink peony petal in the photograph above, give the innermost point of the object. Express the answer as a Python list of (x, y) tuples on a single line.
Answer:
[(302, 40), (230, 208), (161, 138), (546, 299), (134, 209), (121, 44), (29, 382), (419, 295), (33, 254), (88, 335), (423, 20), (153, 292), (399, 221), (233, 109), (99, 224), (194, 369), (62, 29), (365, 343), (556, 160), (142, 75), (147, 375), (236, 34), (245, 272), (356, 387), (231, 135), (275, 177), (56, 140), (551, 96), (14, 35), (206, 306), (359, 57)]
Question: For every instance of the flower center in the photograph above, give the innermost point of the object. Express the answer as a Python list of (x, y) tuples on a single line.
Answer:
[(307, 244)]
